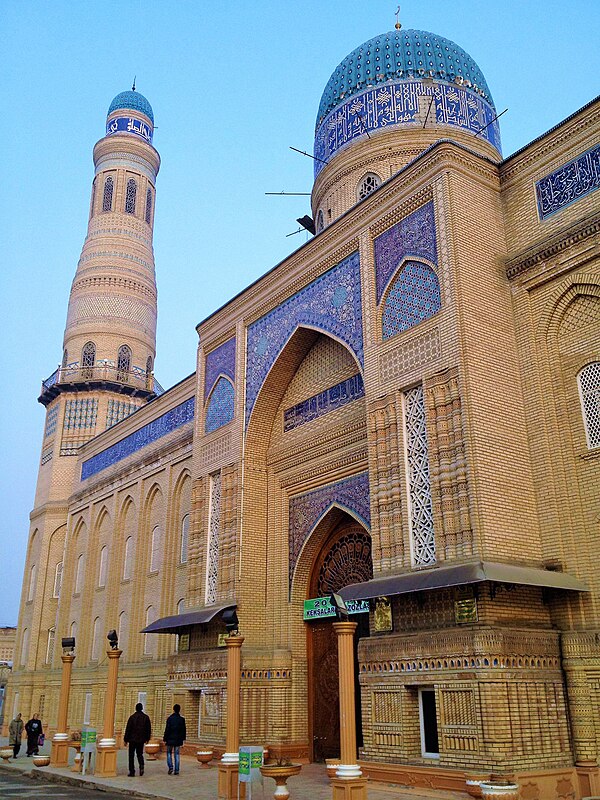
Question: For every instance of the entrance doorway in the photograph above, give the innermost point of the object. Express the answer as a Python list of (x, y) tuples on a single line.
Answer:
[(345, 559), (430, 747)]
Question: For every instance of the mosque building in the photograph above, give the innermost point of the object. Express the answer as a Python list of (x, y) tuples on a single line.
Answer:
[(406, 411)]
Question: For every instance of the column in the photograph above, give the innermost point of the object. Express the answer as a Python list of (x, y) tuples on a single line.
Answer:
[(228, 766), (106, 763), (59, 756), (349, 783)]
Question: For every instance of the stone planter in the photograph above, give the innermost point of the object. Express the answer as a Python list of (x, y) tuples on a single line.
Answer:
[(152, 749), (332, 765), (499, 790), (41, 761), (204, 757), (77, 762), (6, 753), (473, 781), (280, 775)]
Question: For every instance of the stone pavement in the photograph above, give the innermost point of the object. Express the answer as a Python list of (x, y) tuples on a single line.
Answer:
[(194, 783)]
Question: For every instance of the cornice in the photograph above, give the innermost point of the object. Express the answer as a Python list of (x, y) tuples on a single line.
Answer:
[(550, 140), (577, 233), (111, 281)]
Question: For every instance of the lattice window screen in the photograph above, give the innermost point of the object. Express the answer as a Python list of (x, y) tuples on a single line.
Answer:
[(419, 487), (589, 390), (368, 184), (212, 569), (130, 196), (108, 194)]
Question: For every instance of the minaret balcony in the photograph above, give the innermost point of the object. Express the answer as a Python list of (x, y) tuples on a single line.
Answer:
[(108, 377)]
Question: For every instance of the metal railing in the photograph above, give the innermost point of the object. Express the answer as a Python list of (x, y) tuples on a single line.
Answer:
[(74, 373)]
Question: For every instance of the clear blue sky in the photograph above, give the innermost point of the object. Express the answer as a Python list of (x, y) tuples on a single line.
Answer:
[(232, 86)]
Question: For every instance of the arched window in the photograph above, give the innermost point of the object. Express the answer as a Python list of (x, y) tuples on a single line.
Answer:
[(155, 549), (25, 646), (103, 566), (149, 365), (181, 605), (148, 206), (57, 579), (122, 630), (96, 639), (220, 408), (150, 638), (368, 184), (320, 221), (589, 392), (185, 534), (50, 645), (414, 296), (93, 200), (79, 574), (73, 629), (65, 358), (107, 198), (123, 363), (127, 558), (130, 196), (32, 577), (88, 359)]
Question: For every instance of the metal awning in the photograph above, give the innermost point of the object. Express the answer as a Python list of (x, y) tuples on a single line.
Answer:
[(459, 574), (175, 623)]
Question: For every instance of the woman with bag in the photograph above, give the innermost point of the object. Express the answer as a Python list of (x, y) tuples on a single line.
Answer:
[(33, 728)]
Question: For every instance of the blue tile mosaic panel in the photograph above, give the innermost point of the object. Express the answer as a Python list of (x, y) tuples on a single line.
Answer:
[(324, 402), (80, 414), (220, 361), (568, 183), (221, 406), (307, 509), (413, 297), (51, 419), (414, 236), (397, 103), (168, 422), (331, 304)]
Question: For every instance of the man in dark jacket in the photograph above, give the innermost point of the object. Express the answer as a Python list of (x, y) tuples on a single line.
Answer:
[(174, 737), (137, 732), (33, 728)]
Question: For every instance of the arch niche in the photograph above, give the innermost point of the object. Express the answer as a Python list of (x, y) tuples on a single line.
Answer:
[(283, 462)]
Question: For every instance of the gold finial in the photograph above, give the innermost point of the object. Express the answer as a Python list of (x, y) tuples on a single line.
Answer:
[(398, 25)]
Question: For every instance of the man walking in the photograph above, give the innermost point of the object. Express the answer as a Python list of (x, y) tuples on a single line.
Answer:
[(174, 737), (15, 733), (137, 732)]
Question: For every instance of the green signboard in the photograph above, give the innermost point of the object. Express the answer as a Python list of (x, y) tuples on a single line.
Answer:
[(319, 607), (88, 740), (249, 764)]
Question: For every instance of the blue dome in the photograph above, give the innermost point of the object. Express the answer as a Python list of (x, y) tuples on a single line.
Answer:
[(132, 100), (401, 54)]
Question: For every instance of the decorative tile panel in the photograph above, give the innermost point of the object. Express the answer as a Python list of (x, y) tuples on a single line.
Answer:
[(167, 423), (331, 304), (419, 485), (220, 361), (306, 510), (118, 410), (412, 237), (212, 571), (413, 297), (221, 406), (80, 414), (396, 103), (409, 355), (51, 419), (568, 183), (319, 404)]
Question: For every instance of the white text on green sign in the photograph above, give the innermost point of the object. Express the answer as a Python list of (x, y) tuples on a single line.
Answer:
[(318, 607)]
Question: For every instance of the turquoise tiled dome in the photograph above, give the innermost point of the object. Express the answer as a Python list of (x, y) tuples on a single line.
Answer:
[(401, 54), (132, 100)]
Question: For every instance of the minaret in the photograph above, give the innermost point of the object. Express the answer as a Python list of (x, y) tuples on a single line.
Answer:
[(110, 337), (107, 367)]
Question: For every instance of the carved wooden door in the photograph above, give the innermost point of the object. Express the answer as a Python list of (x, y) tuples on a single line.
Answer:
[(346, 559)]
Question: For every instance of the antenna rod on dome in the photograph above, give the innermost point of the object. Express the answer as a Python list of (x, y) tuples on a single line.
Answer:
[(490, 122), (291, 194), (429, 109), (133, 87), (304, 153), (362, 122), (398, 25)]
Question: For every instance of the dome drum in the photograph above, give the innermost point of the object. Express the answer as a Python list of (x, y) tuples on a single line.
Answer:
[(138, 122)]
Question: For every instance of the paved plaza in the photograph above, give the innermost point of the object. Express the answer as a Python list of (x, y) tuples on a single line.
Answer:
[(194, 783)]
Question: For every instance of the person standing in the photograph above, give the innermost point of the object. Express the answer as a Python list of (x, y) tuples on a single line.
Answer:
[(137, 732), (33, 728), (15, 732), (174, 737)]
